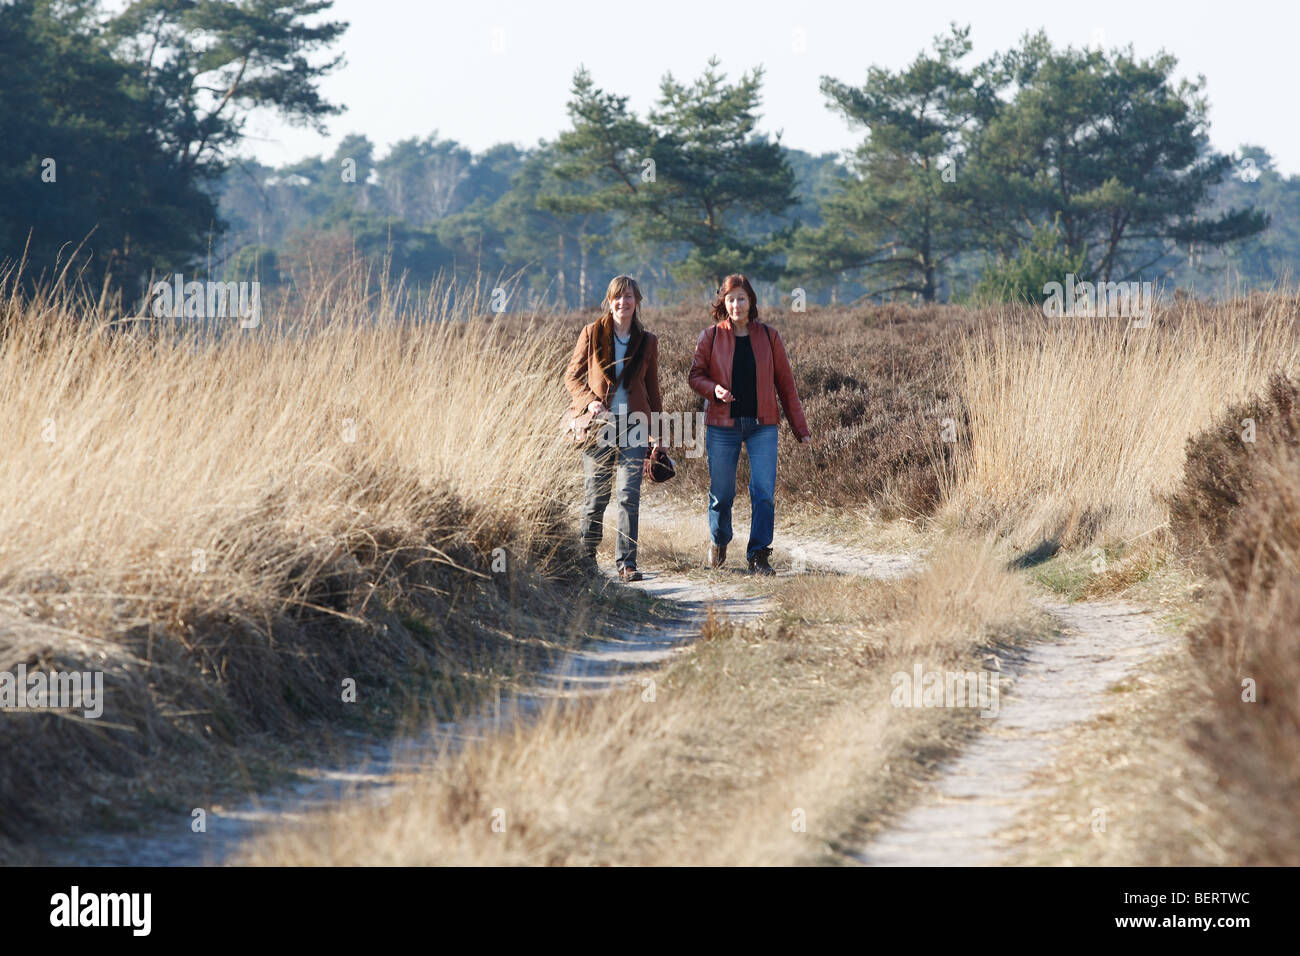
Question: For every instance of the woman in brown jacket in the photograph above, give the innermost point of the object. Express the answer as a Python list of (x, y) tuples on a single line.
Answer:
[(614, 372)]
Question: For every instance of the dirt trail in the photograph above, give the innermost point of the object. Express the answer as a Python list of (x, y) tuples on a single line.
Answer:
[(1056, 684), (375, 767), (804, 550)]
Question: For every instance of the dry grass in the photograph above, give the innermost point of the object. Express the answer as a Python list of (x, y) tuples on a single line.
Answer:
[(228, 525), (1188, 768), (757, 729), (123, 443), (1069, 432), (1238, 514), (1077, 427)]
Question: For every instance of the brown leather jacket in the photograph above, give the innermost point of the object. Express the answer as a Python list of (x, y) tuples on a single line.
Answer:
[(590, 376), (712, 366)]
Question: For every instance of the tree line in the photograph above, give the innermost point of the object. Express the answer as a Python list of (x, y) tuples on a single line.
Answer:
[(971, 179)]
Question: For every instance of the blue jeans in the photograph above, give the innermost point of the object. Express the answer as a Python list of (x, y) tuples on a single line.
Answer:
[(621, 453), (723, 443)]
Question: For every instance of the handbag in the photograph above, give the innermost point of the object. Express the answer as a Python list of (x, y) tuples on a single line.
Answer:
[(658, 466)]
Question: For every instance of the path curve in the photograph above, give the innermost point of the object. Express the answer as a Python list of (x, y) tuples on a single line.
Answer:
[(1055, 684), (375, 767)]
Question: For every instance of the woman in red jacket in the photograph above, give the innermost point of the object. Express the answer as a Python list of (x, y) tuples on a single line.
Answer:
[(742, 371)]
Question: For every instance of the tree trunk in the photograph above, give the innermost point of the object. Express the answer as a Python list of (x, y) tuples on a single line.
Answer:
[(560, 288), (927, 269), (582, 272)]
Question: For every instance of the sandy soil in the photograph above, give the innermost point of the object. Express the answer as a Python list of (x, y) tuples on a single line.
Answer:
[(1053, 685)]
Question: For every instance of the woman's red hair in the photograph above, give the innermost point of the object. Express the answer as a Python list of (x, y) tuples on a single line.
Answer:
[(729, 283)]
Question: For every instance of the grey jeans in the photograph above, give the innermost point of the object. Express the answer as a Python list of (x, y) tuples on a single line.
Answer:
[(599, 465)]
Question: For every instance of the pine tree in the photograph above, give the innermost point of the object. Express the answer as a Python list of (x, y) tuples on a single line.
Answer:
[(903, 215), (680, 179)]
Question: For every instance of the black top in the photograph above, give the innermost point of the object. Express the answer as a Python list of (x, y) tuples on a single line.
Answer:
[(744, 380)]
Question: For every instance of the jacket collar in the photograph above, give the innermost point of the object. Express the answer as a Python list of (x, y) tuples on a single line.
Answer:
[(726, 323)]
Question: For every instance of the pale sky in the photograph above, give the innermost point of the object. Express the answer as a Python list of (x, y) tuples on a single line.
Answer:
[(490, 71)]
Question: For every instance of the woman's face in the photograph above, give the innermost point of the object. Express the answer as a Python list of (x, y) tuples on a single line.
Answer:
[(737, 303), (623, 305)]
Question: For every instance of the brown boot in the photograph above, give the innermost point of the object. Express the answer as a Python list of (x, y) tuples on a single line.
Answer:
[(758, 563), (717, 555), (629, 573)]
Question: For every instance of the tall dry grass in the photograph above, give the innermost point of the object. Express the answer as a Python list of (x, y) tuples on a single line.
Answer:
[(1237, 512), (1197, 758), (1077, 427), (128, 449), (229, 521)]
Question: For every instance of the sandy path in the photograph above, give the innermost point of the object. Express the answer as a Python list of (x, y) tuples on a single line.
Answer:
[(791, 548), (1055, 684)]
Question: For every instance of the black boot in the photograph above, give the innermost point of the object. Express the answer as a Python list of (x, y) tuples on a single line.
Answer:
[(758, 563)]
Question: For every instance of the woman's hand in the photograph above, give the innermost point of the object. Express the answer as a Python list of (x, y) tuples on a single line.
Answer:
[(722, 394), (596, 407), (806, 440)]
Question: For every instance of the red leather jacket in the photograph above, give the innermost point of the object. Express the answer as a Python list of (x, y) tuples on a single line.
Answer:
[(712, 366)]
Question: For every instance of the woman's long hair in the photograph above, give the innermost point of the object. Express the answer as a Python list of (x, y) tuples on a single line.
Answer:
[(736, 280), (605, 324)]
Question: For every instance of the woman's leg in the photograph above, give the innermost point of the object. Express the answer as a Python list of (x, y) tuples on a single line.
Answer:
[(722, 444), (631, 463), (598, 472), (760, 444)]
